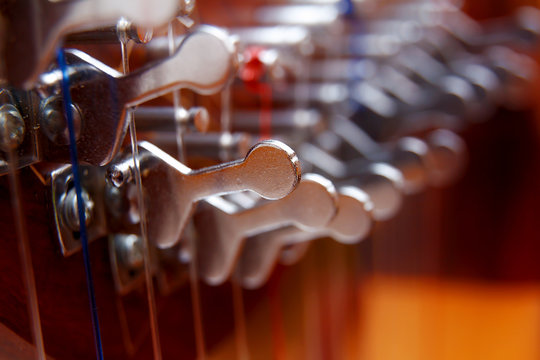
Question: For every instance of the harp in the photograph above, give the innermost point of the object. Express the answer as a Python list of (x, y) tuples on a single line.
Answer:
[(267, 179)]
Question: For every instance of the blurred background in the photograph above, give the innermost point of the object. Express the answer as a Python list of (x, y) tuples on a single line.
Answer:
[(448, 268), (455, 275)]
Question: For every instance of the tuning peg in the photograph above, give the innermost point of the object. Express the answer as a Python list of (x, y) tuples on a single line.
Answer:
[(221, 233), (351, 223), (35, 28), (204, 63), (171, 189)]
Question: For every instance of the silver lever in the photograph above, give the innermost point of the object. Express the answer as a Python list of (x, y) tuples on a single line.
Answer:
[(221, 234), (35, 28), (204, 63), (383, 182), (270, 169), (351, 224)]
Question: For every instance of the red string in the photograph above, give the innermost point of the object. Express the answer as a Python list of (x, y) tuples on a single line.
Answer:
[(276, 319), (252, 74)]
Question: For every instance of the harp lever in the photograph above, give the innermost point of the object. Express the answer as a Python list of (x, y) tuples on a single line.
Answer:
[(30, 49), (221, 234), (351, 223), (270, 169), (204, 63)]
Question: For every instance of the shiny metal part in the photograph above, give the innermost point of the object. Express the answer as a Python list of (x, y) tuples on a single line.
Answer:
[(127, 261), (272, 36), (449, 157), (17, 129), (351, 223), (35, 28), (157, 118), (220, 147), (221, 234), (69, 212), (410, 155), (204, 63), (289, 122), (53, 120), (124, 30), (292, 254), (385, 186), (64, 205), (270, 169), (305, 15), (383, 182), (12, 127)]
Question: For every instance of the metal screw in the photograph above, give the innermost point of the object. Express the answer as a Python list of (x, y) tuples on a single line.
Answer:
[(188, 6), (130, 250), (11, 127), (126, 31), (54, 123), (70, 212), (120, 174)]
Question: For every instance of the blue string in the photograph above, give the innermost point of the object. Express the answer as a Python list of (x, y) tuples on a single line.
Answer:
[(80, 202), (347, 8)]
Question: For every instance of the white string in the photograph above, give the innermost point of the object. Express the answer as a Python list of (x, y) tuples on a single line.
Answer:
[(154, 327)]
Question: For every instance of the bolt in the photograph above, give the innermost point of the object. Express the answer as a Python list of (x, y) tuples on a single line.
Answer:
[(125, 30), (54, 122), (120, 174), (11, 127), (70, 211), (129, 250), (188, 6)]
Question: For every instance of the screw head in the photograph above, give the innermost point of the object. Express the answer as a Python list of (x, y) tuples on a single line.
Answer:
[(54, 122), (70, 211), (11, 127)]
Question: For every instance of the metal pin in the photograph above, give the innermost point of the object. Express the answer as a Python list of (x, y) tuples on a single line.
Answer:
[(153, 118), (216, 146)]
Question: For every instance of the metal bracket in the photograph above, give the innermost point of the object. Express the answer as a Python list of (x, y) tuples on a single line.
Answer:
[(64, 206), (26, 152)]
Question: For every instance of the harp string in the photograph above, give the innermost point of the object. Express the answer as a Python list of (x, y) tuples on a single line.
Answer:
[(25, 255), (191, 241), (154, 326), (240, 333), (80, 203)]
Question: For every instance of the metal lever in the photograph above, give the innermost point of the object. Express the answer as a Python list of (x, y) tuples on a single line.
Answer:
[(383, 182), (204, 62), (270, 169), (221, 234), (35, 28), (351, 224)]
